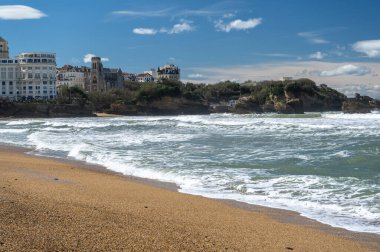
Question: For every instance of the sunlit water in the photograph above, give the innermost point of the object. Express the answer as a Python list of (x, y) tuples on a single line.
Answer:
[(325, 166)]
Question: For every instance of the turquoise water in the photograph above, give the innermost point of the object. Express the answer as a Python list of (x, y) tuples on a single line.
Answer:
[(325, 166)]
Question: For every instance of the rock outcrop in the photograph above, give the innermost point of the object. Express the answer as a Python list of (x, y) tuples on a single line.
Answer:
[(166, 105), (360, 104), (247, 105), (290, 97)]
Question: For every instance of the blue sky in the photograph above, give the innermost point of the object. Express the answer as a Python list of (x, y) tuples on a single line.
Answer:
[(334, 42)]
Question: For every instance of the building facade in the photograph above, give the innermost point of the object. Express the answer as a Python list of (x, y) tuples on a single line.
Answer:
[(71, 76), (145, 77), (94, 79), (37, 76), (169, 72), (28, 76)]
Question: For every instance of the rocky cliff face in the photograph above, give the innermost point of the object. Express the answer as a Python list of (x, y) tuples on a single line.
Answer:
[(360, 104), (291, 97), (166, 105)]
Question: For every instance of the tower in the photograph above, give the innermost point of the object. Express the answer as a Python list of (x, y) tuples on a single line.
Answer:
[(4, 50), (97, 82)]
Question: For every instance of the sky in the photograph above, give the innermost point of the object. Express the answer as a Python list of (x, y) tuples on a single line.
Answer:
[(336, 42)]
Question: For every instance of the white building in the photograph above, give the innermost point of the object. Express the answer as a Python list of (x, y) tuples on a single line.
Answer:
[(71, 76), (9, 79), (38, 76), (29, 76), (145, 77)]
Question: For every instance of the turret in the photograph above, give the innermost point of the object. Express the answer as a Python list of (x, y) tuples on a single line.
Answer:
[(4, 50)]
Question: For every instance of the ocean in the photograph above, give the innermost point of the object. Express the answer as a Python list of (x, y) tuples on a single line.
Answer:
[(324, 166)]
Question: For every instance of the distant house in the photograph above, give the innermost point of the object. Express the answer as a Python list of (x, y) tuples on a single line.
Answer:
[(145, 77), (72, 76), (169, 72)]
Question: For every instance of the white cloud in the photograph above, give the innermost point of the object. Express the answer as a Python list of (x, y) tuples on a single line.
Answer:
[(19, 12), (317, 55), (206, 13), (145, 31), (195, 76), (181, 27), (87, 58), (237, 24), (154, 13), (313, 37), (346, 70), (229, 15), (176, 29), (369, 47)]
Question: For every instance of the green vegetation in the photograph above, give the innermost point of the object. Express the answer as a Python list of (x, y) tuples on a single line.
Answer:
[(268, 94)]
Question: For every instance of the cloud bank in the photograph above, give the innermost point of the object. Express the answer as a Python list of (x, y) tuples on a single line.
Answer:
[(317, 55), (345, 77), (19, 12), (346, 70)]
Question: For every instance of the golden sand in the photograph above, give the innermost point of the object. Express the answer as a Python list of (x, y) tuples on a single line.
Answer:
[(49, 205)]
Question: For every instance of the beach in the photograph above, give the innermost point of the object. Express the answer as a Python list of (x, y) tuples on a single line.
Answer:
[(57, 205)]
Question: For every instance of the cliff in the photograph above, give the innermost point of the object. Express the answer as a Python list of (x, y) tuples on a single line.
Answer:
[(165, 105), (290, 97), (360, 104)]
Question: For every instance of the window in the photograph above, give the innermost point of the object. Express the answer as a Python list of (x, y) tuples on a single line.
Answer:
[(3, 83), (30, 76), (30, 87), (11, 83)]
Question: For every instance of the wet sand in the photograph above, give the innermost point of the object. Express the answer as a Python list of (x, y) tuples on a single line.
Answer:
[(53, 205)]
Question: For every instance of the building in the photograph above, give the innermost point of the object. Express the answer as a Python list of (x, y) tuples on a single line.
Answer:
[(103, 79), (129, 77), (28, 76), (72, 76), (169, 72), (94, 79), (145, 77)]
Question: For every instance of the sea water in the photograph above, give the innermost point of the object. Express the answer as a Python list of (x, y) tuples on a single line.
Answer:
[(324, 166)]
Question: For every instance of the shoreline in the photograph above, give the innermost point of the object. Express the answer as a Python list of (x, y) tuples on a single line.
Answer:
[(278, 215)]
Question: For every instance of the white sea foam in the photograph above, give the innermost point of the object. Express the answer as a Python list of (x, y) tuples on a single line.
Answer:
[(13, 131)]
